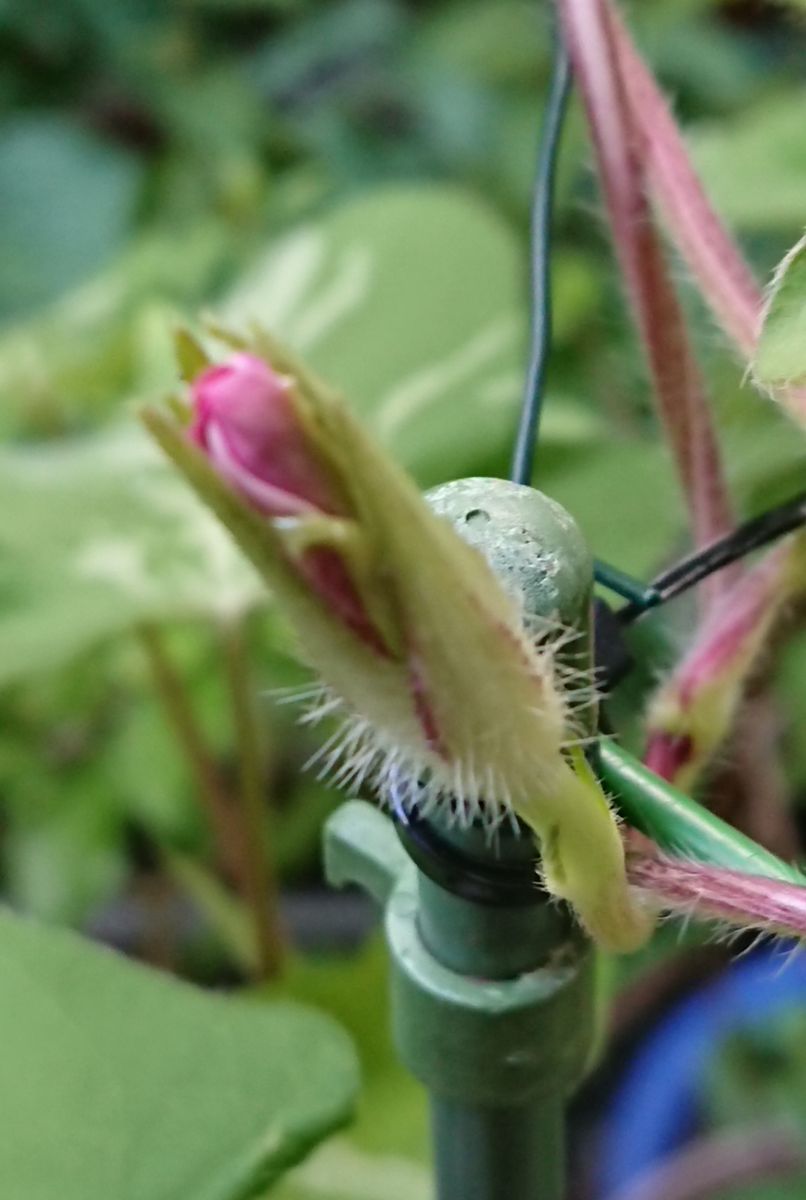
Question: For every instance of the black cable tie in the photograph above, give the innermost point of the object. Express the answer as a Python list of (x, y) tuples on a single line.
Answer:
[(482, 881)]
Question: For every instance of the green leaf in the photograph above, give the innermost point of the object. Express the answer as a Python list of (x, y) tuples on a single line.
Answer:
[(501, 45), (410, 300), (755, 166), (97, 534), (121, 1082), (111, 335), (64, 852), (625, 498), (66, 202), (781, 356), (392, 1110), (385, 1155)]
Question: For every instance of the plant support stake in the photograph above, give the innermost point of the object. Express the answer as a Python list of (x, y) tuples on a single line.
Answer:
[(492, 988)]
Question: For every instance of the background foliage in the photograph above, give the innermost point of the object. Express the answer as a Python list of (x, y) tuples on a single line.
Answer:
[(357, 175)]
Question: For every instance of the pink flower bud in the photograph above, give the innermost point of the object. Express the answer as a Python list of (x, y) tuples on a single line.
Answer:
[(693, 711), (246, 422)]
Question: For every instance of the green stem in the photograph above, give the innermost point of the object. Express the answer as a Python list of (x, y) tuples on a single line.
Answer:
[(260, 883), (209, 789)]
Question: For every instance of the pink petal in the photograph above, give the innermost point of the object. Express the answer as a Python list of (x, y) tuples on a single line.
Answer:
[(246, 422), (245, 419)]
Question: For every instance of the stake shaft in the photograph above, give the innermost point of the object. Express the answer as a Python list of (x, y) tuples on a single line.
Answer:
[(493, 1151), (509, 1153)]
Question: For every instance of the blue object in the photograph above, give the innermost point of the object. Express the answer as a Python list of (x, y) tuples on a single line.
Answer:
[(655, 1108)]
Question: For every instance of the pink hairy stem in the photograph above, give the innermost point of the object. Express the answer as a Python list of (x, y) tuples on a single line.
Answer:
[(710, 253), (701, 891), (676, 377)]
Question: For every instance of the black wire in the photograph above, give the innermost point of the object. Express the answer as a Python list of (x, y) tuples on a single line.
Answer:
[(486, 880), (751, 535), (542, 211)]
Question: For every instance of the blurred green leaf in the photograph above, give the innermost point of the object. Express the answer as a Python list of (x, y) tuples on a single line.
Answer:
[(781, 355), (755, 165), (66, 202), (320, 53), (624, 496), (63, 856), (411, 301), (391, 1116), (111, 336), (501, 45), (340, 1170), (98, 534), (121, 1082)]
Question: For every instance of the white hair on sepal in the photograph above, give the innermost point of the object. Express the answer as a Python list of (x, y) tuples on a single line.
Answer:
[(295, 693), (467, 790), (577, 684)]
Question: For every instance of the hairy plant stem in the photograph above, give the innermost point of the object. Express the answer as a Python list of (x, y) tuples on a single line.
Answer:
[(209, 789), (231, 829), (260, 883), (733, 899), (658, 314)]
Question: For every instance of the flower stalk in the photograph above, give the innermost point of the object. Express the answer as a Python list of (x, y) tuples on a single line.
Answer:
[(236, 824), (259, 882)]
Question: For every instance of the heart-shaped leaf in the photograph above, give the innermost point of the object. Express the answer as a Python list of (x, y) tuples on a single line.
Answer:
[(119, 1082)]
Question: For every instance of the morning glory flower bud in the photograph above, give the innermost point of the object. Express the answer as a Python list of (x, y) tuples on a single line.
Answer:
[(425, 657), (244, 420), (693, 711)]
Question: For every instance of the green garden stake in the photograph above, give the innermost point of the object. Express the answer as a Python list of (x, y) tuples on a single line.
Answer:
[(492, 984)]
